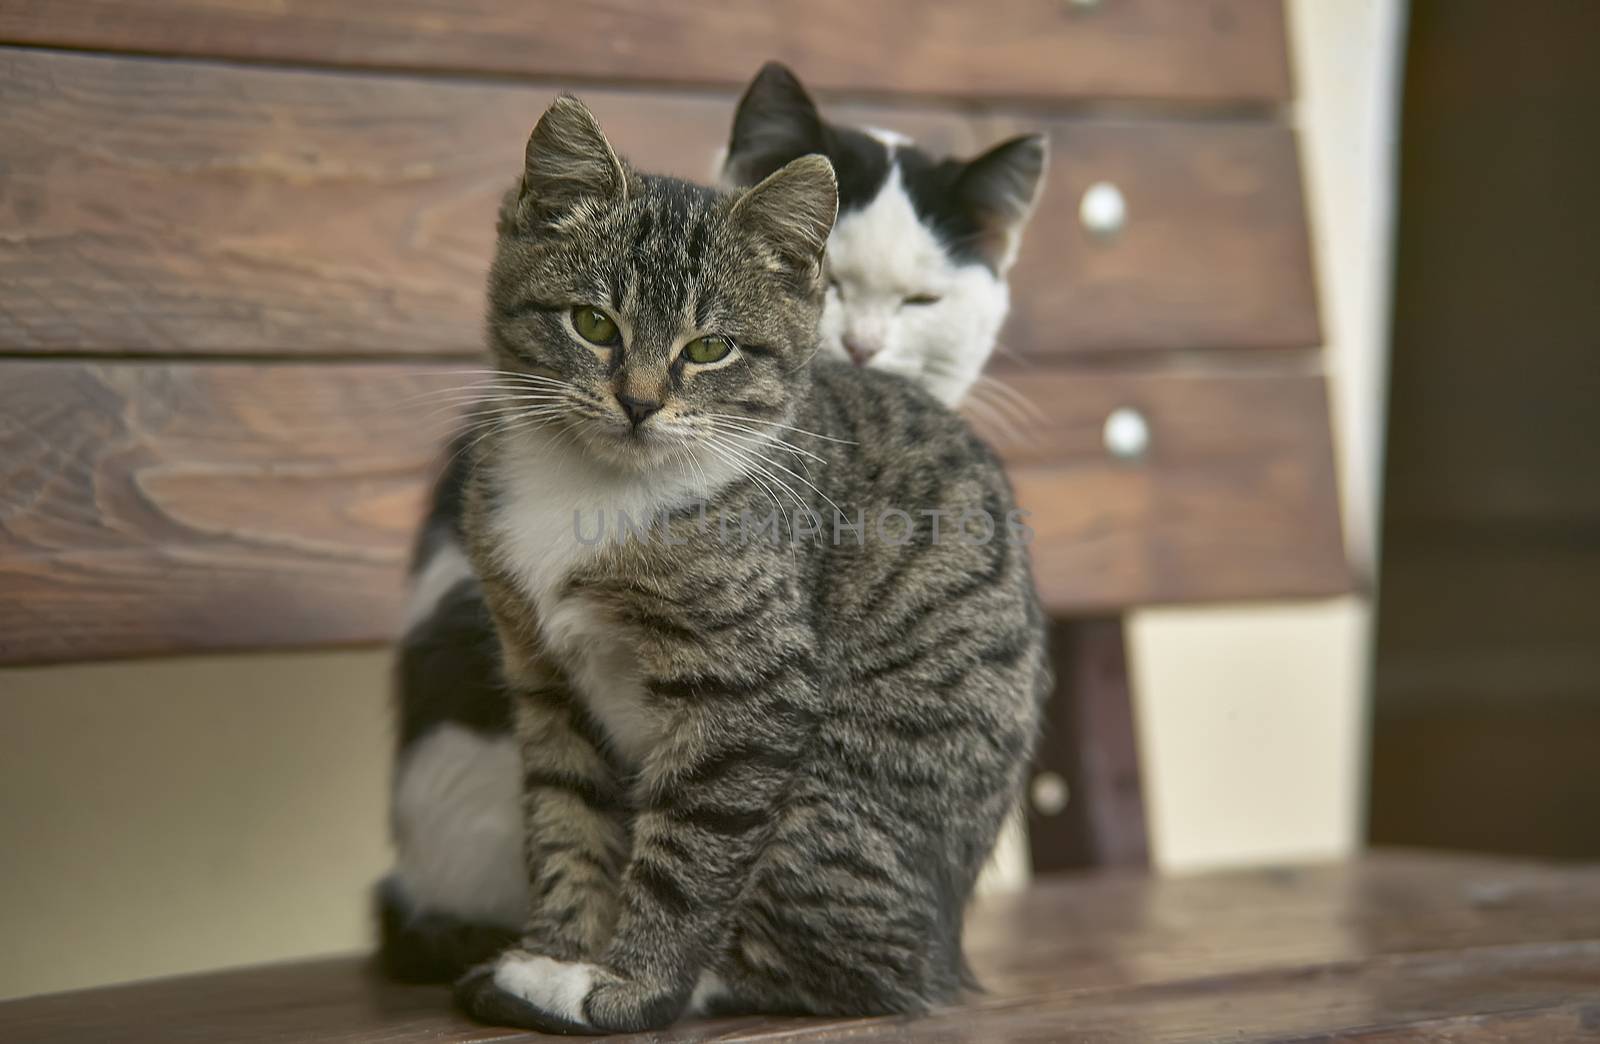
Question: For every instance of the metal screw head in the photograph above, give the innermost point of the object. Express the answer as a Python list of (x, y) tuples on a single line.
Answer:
[(1126, 434), (1049, 794), (1103, 211)]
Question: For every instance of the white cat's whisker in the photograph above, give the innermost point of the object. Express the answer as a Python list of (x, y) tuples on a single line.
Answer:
[(1012, 353), (1024, 403), (991, 416), (984, 401)]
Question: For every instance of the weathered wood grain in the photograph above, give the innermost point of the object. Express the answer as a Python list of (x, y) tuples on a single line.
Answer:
[(148, 509), (1391, 948), (186, 208), (1223, 51), (151, 508), (1214, 253), (1235, 498)]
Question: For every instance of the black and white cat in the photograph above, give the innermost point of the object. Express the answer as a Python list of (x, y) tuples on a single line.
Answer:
[(918, 259), (917, 264)]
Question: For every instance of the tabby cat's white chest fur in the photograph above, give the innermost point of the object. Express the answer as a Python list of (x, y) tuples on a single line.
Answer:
[(554, 512)]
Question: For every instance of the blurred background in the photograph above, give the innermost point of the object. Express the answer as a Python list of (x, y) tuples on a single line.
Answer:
[(192, 812)]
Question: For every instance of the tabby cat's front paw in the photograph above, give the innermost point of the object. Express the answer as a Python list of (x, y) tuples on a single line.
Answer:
[(529, 991), (540, 993)]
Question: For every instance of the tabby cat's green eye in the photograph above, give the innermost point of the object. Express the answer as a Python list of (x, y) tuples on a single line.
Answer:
[(594, 326), (708, 349)]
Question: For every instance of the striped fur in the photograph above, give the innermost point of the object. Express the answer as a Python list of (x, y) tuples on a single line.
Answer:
[(907, 221), (759, 776)]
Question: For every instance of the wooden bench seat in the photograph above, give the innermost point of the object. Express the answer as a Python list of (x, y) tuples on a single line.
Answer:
[(1395, 947)]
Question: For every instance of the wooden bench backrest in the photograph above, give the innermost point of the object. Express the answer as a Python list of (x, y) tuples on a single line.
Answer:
[(238, 243)]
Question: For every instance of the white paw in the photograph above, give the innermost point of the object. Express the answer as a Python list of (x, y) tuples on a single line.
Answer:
[(557, 987), (707, 991)]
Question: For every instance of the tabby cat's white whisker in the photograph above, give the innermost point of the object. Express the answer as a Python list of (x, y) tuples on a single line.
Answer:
[(764, 465), (755, 446), (485, 389), (771, 440), (744, 469), (754, 461), (491, 400), (501, 423), (756, 443), (786, 427), (487, 375), (808, 482), (699, 472), (490, 407)]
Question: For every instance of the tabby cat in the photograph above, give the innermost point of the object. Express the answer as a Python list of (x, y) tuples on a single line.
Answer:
[(762, 767), (916, 266)]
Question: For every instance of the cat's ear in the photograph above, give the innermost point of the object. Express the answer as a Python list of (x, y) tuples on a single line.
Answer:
[(791, 213), (776, 121), (568, 162), (999, 189)]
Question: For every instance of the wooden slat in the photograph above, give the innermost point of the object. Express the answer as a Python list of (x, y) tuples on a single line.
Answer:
[(1088, 739), (176, 207), (1219, 51), (150, 508), (155, 509), (1393, 948), (1235, 499), (1214, 253)]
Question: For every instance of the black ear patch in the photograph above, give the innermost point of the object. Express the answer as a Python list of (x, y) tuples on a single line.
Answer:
[(776, 122), (1001, 185), (978, 207)]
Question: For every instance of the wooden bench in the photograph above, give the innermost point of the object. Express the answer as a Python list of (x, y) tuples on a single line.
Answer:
[(240, 241), (1395, 948)]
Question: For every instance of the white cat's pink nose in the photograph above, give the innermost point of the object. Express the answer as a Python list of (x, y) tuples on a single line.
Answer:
[(860, 351)]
